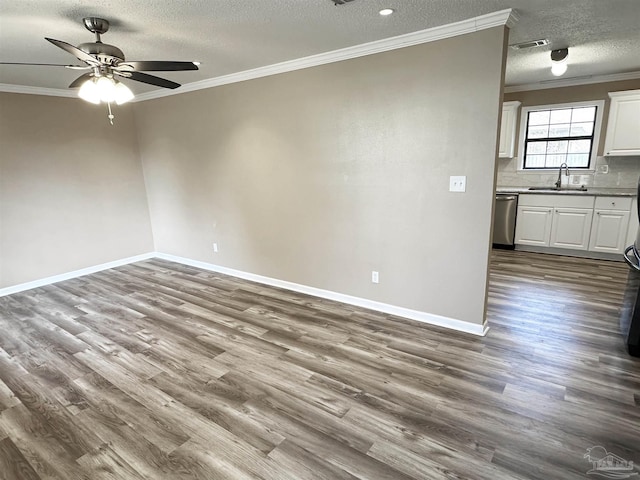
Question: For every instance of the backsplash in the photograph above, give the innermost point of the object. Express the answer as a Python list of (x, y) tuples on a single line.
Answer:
[(623, 173)]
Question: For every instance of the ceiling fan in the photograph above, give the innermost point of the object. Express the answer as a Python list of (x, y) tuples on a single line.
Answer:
[(107, 63)]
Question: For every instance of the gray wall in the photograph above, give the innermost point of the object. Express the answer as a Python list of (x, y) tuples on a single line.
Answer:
[(322, 175), (623, 171), (71, 188)]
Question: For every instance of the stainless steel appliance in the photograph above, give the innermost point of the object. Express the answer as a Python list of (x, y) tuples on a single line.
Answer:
[(504, 220), (630, 317)]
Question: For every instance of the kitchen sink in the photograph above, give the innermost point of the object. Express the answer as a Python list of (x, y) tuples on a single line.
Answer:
[(581, 188)]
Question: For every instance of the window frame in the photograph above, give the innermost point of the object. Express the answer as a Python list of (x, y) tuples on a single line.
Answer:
[(597, 133)]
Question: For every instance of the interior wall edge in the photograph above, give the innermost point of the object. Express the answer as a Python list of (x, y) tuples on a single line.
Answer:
[(145, 179)]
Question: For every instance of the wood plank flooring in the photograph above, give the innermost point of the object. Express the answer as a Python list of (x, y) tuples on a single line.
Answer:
[(161, 371)]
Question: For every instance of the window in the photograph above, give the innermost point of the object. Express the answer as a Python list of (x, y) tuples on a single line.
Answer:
[(555, 134)]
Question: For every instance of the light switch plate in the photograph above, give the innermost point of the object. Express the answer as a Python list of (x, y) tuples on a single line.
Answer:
[(458, 183)]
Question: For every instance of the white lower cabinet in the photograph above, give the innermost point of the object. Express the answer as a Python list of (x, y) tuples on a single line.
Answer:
[(608, 233), (533, 225), (559, 221), (577, 222), (610, 224), (633, 224), (571, 228)]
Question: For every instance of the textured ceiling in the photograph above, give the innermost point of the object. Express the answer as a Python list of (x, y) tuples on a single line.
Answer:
[(230, 36)]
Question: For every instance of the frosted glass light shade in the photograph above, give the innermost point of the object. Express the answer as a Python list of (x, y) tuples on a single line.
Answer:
[(90, 92), (107, 89), (123, 93)]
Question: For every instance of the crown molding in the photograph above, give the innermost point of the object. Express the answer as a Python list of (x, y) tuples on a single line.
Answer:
[(506, 17), (572, 82), (50, 92)]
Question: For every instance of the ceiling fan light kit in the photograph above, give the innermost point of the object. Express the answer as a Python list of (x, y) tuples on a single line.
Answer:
[(107, 62), (105, 90)]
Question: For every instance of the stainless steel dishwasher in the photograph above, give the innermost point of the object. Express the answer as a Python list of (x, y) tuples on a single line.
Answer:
[(504, 220)]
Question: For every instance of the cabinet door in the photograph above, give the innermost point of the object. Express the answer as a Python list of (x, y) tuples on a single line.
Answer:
[(633, 223), (571, 228), (533, 226), (508, 129), (623, 128), (608, 231)]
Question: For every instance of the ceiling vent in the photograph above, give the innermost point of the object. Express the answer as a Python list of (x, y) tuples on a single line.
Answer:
[(340, 2), (530, 44)]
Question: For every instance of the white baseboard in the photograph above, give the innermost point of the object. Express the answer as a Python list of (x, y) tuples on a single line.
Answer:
[(74, 274), (419, 316), (423, 317), (567, 252)]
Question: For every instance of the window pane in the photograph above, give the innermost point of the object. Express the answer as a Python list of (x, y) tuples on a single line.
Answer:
[(537, 147), (534, 161), (579, 146), (581, 129), (578, 160), (541, 131), (557, 146), (555, 160), (585, 114), (559, 135), (561, 130), (560, 116), (539, 118)]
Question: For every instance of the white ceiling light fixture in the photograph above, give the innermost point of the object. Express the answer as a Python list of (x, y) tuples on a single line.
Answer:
[(386, 11), (559, 61), (105, 89)]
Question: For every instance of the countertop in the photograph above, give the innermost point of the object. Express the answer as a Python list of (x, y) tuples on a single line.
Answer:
[(594, 191)]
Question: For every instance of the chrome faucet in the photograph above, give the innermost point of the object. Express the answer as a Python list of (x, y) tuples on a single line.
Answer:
[(566, 168)]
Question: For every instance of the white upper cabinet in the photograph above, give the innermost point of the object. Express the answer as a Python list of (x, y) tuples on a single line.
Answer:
[(623, 128), (508, 129)]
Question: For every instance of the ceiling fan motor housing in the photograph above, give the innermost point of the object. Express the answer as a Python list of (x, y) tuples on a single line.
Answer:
[(103, 51), (96, 25)]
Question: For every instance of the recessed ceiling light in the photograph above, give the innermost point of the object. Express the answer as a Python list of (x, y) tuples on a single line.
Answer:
[(386, 11)]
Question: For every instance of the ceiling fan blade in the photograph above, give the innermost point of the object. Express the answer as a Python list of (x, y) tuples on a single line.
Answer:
[(157, 66), (150, 79), (44, 64), (80, 80), (76, 52)]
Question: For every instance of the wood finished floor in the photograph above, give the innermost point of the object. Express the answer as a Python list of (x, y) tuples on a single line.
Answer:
[(161, 371)]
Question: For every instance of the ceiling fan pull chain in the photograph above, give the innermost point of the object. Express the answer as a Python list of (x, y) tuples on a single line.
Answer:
[(111, 116)]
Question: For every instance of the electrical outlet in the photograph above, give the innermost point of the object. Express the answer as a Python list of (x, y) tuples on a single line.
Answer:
[(375, 278), (603, 168), (457, 183), (215, 248)]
